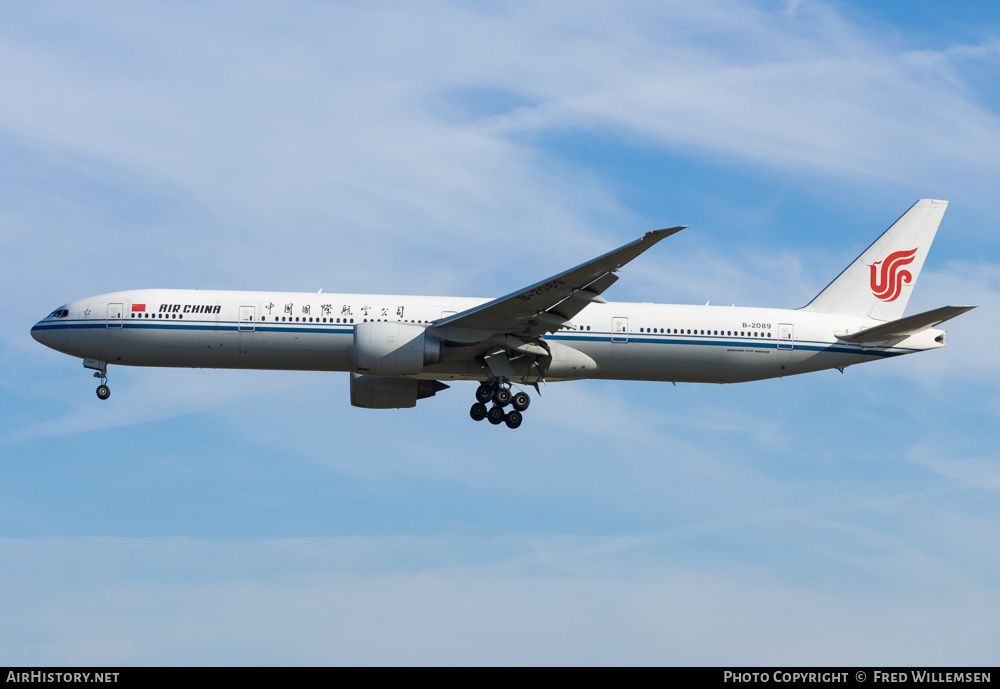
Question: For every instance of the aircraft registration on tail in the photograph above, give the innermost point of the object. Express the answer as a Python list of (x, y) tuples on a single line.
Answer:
[(399, 349)]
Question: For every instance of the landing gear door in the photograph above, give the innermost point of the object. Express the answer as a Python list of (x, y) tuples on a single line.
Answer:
[(619, 329), (116, 314), (786, 336), (247, 318)]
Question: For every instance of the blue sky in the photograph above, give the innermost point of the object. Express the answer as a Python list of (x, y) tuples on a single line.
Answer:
[(256, 517)]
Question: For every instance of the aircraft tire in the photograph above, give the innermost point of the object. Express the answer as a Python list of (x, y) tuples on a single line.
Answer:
[(495, 415), (502, 397), (478, 411), (103, 392), (513, 419), (484, 393), (520, 401)]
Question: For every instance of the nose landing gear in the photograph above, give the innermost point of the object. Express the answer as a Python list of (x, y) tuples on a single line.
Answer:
[(499, 392), (101, 371)]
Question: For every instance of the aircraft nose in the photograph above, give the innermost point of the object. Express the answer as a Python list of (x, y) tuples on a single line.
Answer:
[(45, 333), (38, 332)]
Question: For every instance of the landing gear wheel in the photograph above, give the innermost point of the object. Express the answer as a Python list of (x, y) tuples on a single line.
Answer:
[(103, 392), (502, 397), (478, 411), (514, 419), (484, 393), (520, 401), (495, 415)]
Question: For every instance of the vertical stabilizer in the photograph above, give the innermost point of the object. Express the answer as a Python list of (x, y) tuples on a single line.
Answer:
[(879, 282)]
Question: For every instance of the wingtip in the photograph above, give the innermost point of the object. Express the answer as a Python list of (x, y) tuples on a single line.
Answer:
[(668, 230)]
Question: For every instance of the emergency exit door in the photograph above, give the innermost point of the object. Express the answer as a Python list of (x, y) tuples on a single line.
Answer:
[(116, 314), (247, 318), (619, 329), (786, 336)]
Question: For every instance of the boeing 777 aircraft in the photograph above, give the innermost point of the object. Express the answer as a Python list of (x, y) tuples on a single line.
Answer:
[(398, 349)]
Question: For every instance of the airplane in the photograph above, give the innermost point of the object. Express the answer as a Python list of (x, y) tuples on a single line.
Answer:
[(399, 349)]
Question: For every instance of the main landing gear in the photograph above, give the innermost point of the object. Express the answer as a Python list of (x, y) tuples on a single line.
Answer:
[(101, 371), (498, 391)]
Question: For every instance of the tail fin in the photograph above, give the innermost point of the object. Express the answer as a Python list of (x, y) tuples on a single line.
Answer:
[(879, 282)]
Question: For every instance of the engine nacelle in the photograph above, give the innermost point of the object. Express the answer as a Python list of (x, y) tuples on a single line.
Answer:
[(391, 348), (378, 392)]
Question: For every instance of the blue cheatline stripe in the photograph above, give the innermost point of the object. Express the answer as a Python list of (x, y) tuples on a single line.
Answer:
[(800, 345), (221, 326), (342, 329)]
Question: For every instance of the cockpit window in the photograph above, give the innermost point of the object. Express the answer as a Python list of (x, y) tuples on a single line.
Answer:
[(59, 313)]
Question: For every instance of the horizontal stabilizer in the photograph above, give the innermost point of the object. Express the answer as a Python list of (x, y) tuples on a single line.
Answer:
[(904, 327)]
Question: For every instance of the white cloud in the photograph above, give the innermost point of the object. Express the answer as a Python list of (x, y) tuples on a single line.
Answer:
[(152, 395), (809, 93), (979, 473), (515, 599), (327, 124)]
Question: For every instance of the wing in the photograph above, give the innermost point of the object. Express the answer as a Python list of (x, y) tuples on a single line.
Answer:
[(548, 305)]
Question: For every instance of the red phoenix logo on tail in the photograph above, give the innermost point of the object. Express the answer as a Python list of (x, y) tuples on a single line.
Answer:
[(887, 283)]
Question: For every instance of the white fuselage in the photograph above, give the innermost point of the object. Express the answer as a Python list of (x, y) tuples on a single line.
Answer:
[(315, 331)]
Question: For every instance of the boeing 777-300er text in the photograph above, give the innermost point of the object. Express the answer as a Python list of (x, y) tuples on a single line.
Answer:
[(398, 349)]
